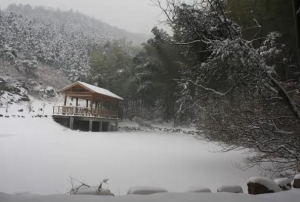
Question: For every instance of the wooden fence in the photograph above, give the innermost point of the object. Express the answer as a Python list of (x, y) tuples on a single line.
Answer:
[(84, 111)]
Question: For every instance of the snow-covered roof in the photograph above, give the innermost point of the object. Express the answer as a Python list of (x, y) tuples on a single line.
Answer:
[(94, 89)]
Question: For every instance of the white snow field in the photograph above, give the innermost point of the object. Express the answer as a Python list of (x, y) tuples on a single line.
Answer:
[(37, 155), (288, 196)]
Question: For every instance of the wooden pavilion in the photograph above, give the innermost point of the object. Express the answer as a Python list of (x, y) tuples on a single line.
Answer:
[(100, 110)]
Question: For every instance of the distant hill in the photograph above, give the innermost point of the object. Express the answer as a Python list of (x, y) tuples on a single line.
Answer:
[(64, 40), (79, 22), (42, 48)]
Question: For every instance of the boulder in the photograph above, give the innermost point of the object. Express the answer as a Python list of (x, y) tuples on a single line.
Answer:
[(24, 98), (296, 183), (92, 190), (1, 115), (284, 183), (230, 189), (199, 190), (262, 185), (13, 89), (2, 84), (145, 190)]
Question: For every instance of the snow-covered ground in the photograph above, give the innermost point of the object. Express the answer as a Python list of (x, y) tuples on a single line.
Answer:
[(38, 156), (289, 196)]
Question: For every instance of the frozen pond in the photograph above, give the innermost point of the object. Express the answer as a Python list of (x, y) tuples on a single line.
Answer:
[(38, 156)]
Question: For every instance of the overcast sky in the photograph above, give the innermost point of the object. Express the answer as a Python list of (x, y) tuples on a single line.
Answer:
[(133, 15)]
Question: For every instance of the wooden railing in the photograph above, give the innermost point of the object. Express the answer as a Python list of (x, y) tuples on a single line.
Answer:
[(83, 111)]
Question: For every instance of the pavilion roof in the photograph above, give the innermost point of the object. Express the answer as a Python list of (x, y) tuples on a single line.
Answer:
[(93, 89)]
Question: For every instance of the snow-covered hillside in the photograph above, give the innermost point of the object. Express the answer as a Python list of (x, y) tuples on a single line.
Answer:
[(32, 37)]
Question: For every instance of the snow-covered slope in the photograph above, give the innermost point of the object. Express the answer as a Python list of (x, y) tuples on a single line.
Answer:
[(64, 40)]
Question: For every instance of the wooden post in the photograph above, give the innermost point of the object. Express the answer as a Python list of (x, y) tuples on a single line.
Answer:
[(108, 126), (91, 105), (91, 125), (100, 126), (71, 122), (65, 102), (87, 103), (117, 124), (77, 102)]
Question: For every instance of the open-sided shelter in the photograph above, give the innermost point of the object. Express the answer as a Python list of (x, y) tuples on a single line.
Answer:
[(101, 105)]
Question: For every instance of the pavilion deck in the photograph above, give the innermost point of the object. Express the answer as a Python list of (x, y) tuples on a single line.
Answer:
[(84, 112)]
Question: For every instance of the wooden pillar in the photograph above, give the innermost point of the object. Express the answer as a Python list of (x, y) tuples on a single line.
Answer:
[(91, 125), (108, 126), (87, 103), (71, 122), (91, 105), (65, 102), (100, 126), (117, 125), (77, 102), (117, 105)]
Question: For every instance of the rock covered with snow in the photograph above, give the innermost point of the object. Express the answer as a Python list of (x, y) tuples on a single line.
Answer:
[(230, 188), (145, 190), (262, 185), (296, 183), (199, 189), (284, 183), (92, 190)]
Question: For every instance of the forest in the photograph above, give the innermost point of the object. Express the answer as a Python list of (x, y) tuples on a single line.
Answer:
[(229, 67)]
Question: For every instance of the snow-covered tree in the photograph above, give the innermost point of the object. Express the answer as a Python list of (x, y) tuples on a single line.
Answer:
[(232, 90)]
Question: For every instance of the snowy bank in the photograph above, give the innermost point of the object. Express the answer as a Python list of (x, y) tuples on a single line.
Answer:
[(284, 183), (199, 189), (145, 190), (161, 197), (230, 188)]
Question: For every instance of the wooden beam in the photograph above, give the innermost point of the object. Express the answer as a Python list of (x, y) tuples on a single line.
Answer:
[(78, 94)]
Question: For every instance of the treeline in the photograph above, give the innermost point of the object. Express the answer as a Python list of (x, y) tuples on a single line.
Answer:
[(234, 74)]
